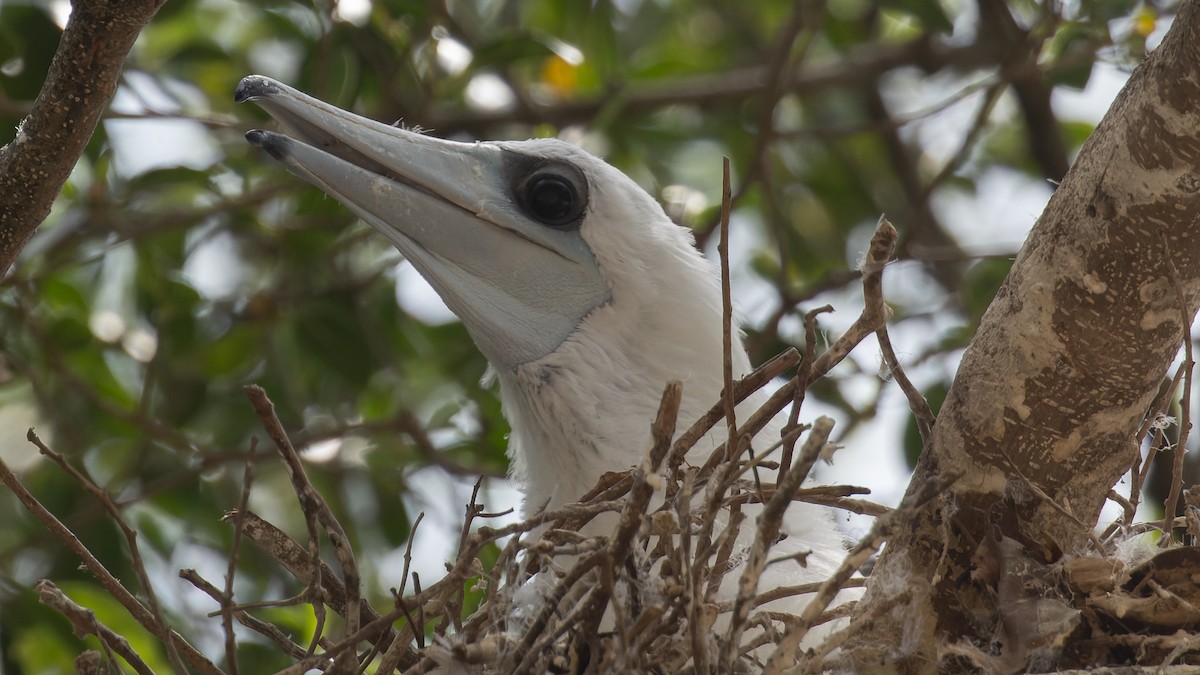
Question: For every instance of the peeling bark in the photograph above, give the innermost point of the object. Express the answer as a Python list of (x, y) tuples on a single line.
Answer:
[(82, 79), (1051, 392)]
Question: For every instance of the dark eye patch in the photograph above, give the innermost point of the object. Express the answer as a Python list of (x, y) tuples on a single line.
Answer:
[(552, 193)]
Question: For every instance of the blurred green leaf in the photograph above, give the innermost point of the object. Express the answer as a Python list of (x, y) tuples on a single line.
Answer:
[(930, 13), (1071, 51), (328, 335), (1075, 133)]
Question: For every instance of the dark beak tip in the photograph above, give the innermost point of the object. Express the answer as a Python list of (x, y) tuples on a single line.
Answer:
[(273, 144), (254, 86), (256, 137)]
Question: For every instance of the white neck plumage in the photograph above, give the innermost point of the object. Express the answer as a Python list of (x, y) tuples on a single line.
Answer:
[(586, 408)]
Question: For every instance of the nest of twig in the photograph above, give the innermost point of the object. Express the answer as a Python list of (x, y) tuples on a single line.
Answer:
[(640, 597)]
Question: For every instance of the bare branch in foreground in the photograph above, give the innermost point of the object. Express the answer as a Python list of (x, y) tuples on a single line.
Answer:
[(110, 583), (160, 626), (315, 509)]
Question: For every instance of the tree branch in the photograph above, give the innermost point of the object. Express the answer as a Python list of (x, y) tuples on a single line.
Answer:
[(82, 79), (1043, 415)]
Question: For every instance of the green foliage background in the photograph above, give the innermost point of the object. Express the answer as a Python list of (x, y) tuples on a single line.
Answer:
[(133, 370)]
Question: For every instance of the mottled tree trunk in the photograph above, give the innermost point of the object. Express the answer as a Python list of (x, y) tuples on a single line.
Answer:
[(1042, 418)]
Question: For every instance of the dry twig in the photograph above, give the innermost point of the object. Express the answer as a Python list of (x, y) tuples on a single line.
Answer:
[(84, 622), (110, 583)]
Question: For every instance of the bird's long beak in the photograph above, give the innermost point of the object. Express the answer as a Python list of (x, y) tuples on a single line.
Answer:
[(520, 287)]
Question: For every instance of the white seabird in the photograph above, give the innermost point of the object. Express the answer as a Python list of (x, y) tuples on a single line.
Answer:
[(580, 291)]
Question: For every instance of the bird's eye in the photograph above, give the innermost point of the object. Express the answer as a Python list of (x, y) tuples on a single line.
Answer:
[(551, 199)]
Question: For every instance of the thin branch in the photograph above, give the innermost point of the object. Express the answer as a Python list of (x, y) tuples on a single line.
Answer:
[(161, 628), (267, 630), (234, 549), (726, 308), (315, 507), (860, 66), (400, 654), (916, 402), (874, 313), (789, 435), (1185, 407)]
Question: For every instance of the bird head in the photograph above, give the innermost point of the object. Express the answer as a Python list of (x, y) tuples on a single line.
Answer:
[(522, 240)]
